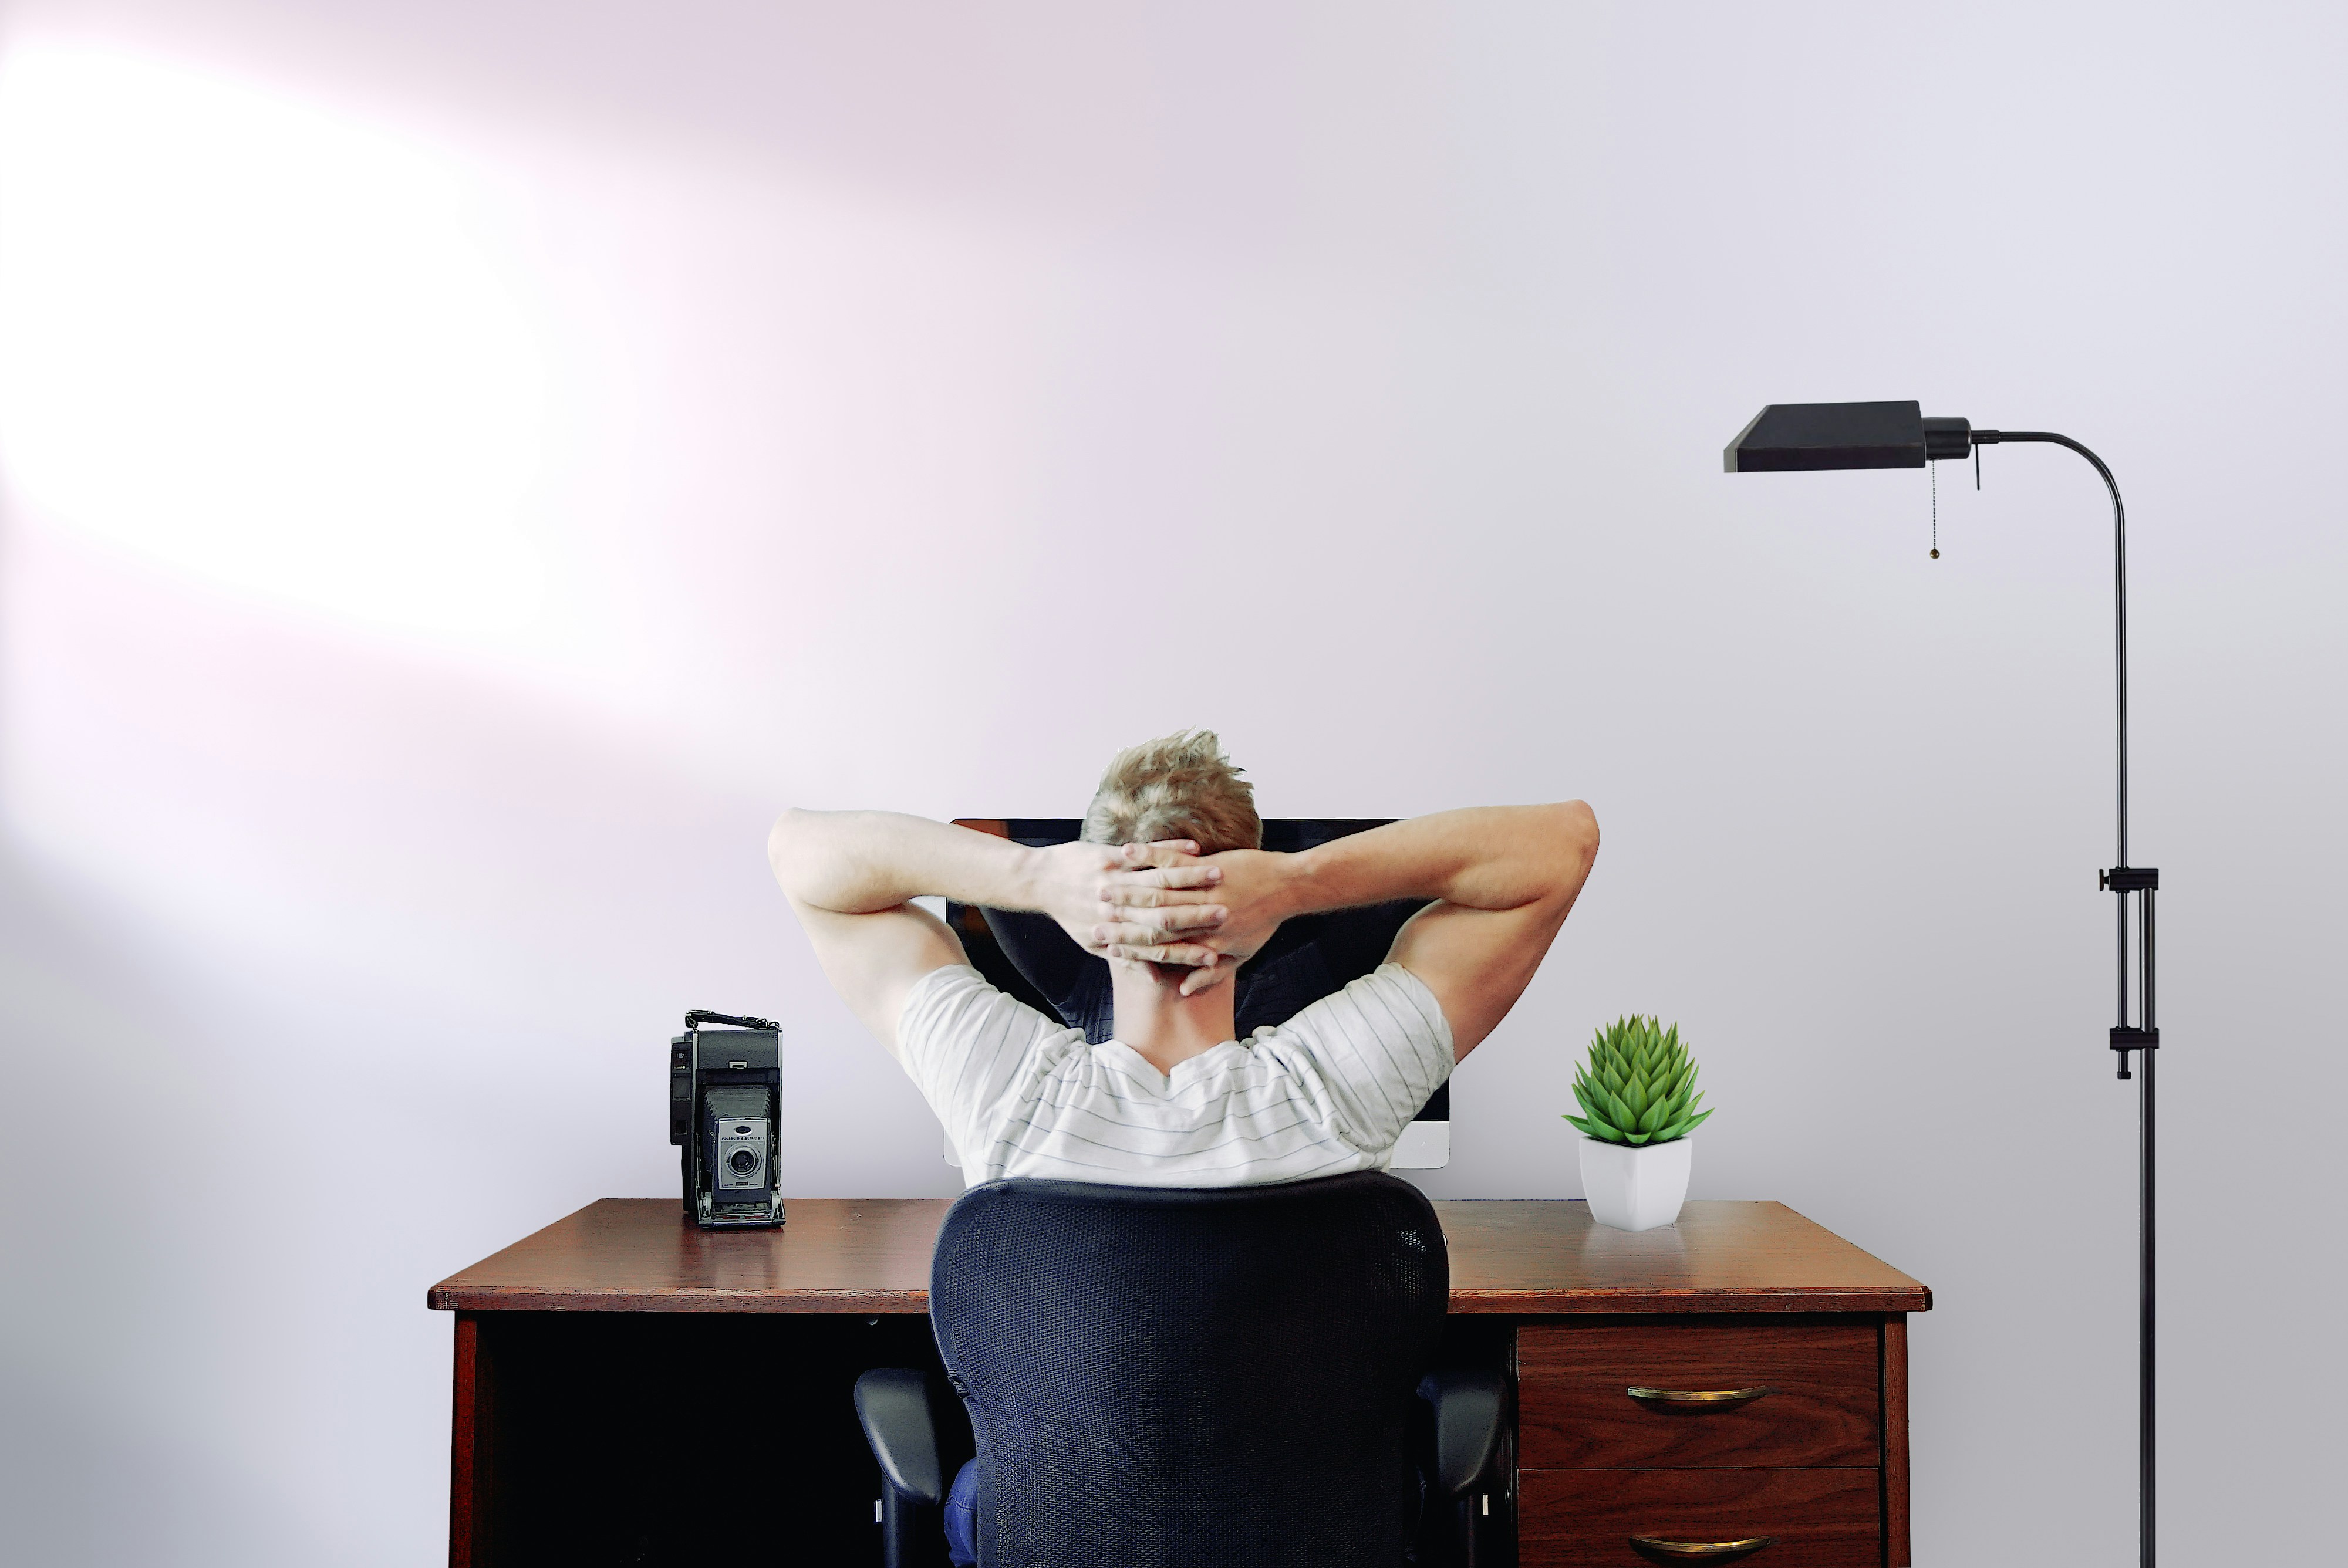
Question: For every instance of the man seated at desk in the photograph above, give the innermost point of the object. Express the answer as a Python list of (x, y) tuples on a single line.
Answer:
[(1168, 884)]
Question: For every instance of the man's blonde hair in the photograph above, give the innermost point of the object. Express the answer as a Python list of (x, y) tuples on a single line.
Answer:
[(1179, 787)]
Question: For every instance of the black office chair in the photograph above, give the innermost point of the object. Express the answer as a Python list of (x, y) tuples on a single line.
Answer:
[(1219, 1378)]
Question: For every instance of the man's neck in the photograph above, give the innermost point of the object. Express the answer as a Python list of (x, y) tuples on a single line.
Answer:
[(1163, 1025)]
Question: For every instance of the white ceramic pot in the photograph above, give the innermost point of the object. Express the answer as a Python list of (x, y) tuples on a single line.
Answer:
[(1635, 1189)]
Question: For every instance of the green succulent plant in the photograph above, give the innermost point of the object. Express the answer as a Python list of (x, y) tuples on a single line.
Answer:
[(1638, 1086)]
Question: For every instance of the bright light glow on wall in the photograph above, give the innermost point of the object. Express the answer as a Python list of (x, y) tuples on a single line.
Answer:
[(261, 344)]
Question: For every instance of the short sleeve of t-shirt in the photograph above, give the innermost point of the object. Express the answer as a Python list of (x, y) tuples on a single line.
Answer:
[(1379, 1047), (973, 1051)]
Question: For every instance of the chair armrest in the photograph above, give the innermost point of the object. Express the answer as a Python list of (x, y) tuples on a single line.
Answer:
[(1471, 1415), (893, 1407)]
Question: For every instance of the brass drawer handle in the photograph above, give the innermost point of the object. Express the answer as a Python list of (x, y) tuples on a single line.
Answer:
[(1700, 1400), (1687, 1549)]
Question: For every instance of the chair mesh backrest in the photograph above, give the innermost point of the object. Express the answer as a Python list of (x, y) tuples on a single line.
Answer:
[(1191, 1379)]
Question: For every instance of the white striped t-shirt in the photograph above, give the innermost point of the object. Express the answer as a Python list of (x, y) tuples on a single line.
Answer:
[(1327, 1091)]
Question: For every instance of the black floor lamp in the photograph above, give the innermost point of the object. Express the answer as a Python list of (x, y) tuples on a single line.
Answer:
[(1788, 437)]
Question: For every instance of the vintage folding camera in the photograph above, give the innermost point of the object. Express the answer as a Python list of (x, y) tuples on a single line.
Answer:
[(724, 1086)]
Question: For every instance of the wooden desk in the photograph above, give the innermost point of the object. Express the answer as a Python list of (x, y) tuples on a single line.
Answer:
[(630, 1389)]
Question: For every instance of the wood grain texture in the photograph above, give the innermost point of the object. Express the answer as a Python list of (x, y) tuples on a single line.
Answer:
[(638, 1255), (1824, 1408), (1895, 1443), (1521, 1257), (1536, 1257), (1585, 1517), (470, 1451)]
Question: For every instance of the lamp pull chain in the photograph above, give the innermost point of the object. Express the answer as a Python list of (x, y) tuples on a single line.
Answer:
[(1935, 473)]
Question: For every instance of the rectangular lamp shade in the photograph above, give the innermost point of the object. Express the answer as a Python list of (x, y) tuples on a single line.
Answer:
[(1790, 437)]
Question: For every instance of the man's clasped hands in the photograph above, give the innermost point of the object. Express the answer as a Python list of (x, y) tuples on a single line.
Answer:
[(1165, 903)]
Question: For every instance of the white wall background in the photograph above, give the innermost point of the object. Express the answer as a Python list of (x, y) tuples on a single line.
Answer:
[(469, 463)]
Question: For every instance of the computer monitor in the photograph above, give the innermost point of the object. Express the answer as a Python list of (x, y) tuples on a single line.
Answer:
[(1029, 957)]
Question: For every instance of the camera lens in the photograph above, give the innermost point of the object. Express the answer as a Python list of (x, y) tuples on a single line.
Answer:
[(743, 1162)]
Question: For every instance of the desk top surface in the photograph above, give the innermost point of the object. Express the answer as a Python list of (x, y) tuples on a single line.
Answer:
[(872, 1255)]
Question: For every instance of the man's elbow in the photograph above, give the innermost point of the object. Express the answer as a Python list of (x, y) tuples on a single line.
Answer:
[(1584, 826), (1575, 842)]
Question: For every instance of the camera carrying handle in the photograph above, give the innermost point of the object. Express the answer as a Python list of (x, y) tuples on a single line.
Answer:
[(700, 1016)]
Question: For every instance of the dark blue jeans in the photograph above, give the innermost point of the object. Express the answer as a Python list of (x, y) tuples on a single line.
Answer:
[(962, 1517)]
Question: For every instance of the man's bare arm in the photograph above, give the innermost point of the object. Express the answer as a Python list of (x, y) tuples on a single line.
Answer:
[(1504, 878), (851, 877)]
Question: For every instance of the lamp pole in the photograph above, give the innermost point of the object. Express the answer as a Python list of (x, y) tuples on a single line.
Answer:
[(1801, 437)]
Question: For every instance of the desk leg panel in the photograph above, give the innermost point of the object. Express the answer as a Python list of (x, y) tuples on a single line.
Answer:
[(1895, 1441), (472, 1447)]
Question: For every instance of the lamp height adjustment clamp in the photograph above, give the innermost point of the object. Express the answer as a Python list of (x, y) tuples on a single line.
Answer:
[(2128, 879)]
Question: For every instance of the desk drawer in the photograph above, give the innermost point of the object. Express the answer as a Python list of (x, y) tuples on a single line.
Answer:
[(1574, 1412), (1586, 1518)]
